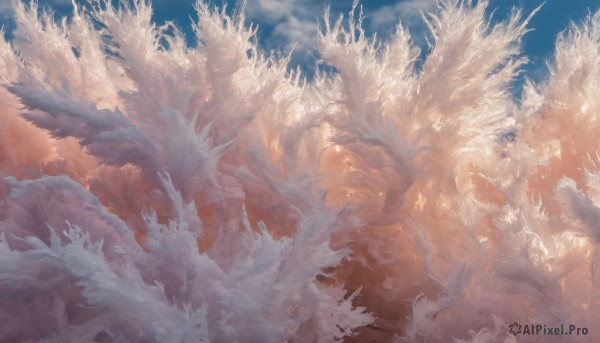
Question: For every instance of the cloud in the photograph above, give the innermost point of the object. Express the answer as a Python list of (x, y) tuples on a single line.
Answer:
[(294, 23), (287, 24), (297, 31), (6, 10), (406, 13), (290, 24), (270, 10)]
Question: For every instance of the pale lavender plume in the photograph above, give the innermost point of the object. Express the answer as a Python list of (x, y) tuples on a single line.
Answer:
[(153, 192)]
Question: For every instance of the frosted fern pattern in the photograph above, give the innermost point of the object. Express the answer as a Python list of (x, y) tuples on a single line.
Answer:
[(152, 192)]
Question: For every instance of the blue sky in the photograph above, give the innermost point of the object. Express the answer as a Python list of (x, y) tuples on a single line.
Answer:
[(285, 23)]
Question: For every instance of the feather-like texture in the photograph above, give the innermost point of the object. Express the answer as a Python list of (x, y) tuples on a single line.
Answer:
[(153, 192)]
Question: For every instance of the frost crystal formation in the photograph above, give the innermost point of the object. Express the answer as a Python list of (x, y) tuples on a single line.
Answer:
[(153, 192)]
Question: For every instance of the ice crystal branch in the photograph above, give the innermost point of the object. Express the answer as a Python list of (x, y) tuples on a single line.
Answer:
[(154, 192)]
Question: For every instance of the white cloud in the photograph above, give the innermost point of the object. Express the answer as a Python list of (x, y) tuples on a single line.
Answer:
[(293, 23), (407, 12), (270, 10), (296, 30), (6, 10)]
